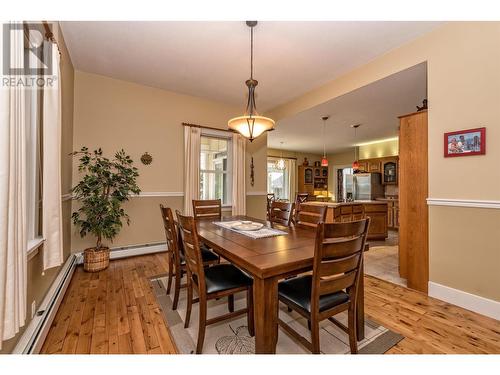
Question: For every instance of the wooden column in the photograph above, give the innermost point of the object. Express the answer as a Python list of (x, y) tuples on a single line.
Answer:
[(413, 193)]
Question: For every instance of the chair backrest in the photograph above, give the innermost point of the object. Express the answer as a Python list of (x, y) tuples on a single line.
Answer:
[(338, 257), (207, 209), (309, 216), (171, 231), (192, 251), (281, 213), (301, 198)]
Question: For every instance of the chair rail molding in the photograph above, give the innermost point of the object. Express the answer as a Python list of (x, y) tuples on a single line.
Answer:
[(472, 203), (142, 194), (257, 193)]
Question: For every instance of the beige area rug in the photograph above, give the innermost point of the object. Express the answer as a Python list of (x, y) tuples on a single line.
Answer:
[(232, 337)]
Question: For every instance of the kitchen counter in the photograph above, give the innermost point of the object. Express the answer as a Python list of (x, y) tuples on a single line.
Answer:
[(376, 210)]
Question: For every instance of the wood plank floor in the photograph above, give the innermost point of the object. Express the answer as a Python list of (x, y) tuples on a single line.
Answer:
[(114, 311)]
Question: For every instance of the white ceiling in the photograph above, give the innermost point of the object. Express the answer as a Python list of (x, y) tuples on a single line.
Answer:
[(375, 106), (211, 59)]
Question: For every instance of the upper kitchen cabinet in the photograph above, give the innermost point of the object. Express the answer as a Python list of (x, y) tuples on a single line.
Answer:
[(390, 171)]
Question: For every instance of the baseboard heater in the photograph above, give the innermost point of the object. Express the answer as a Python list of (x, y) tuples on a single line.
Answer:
[(34, 336)]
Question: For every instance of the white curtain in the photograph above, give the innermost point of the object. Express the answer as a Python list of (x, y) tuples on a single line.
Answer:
[(292, 178), (13, 194), (192, 150), (239, 188), (52, 205)]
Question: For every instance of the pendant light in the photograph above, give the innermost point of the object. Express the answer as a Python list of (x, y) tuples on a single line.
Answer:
[(355, 163), (280, 164), (251, 125), (324, 160)]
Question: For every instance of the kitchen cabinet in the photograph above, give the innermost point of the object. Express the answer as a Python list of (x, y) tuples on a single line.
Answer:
[(377, 212), (387, 166), (390, 171), (312, 178), (374, 166)]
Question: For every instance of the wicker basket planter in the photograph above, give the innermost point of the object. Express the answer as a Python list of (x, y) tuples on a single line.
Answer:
[(95, 261)]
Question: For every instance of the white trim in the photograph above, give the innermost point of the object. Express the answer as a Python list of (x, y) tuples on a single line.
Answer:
[(463, 203), (34, 336), (466, 300), (66, 197), (33, 246), (159, 194), (259, 193), (142, 194)]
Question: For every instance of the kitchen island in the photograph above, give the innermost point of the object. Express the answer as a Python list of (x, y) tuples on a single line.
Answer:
[(338, 212)]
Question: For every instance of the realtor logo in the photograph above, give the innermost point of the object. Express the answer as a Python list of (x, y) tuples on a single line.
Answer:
[(35, 69)]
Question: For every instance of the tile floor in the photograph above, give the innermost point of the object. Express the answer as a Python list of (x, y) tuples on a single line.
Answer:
[(382, 259)]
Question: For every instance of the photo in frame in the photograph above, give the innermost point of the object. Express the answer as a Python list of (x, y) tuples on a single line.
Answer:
[(465, 142)]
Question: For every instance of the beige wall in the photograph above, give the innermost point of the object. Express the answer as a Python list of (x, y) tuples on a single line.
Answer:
[(39, 281), (463, 81), (379, 149), (115, 114)]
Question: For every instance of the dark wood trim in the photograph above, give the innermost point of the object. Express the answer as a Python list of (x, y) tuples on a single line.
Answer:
[(281, 157), (207, 127)]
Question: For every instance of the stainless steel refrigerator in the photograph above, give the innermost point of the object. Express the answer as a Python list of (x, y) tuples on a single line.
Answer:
[(364, 186)]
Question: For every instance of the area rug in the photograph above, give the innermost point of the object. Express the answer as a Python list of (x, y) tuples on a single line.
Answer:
[(232, 337)]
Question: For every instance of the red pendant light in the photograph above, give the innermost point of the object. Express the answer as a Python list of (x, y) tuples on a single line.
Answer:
[(324, 160), (355, 163)]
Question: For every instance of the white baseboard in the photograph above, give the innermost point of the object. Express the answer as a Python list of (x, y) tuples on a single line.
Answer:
[(481, 305)]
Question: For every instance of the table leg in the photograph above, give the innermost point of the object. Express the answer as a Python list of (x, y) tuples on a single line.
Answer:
[(266, 315), (360, 307)]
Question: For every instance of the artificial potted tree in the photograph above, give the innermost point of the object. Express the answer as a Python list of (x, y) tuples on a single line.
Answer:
[(104, 187)]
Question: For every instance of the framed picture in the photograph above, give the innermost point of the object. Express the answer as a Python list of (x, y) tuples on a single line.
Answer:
[(465, 142)]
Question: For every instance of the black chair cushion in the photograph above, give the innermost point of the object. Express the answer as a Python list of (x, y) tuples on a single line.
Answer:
[(298, 290), (225, 276), (207, 255)]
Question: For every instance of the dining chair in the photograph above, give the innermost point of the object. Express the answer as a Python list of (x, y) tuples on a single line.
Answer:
[(299, 198), (333, 285), (214, 282), (207, 209), (281, 213), (176, 258), (270, 199), (309, 216)]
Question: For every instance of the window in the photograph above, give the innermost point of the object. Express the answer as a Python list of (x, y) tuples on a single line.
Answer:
[(34, 159), (215, 168), (278, 180)]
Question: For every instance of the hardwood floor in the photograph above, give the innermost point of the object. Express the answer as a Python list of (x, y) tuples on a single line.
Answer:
[(115, 311)]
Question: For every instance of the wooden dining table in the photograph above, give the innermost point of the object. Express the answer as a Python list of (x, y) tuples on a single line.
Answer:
[(268, 260)]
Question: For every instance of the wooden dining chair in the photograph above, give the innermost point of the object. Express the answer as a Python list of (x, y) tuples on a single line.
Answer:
[(333, 285), (207, 209), (176, 258), (281, 213), (270, 199), (299, 198), (309, 216), (214, 282)]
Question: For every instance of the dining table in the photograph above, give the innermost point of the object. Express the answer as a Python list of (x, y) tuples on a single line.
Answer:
[(268, 260)]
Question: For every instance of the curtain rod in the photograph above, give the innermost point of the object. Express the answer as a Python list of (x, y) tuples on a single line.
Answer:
[(281, 157), (207, 127), (49, 35)]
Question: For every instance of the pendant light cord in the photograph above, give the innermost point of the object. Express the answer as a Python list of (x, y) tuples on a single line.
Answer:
[(251, 53), (324, 142)]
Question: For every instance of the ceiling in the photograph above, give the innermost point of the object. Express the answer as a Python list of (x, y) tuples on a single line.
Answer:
[(211, 59), (375, 106)]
